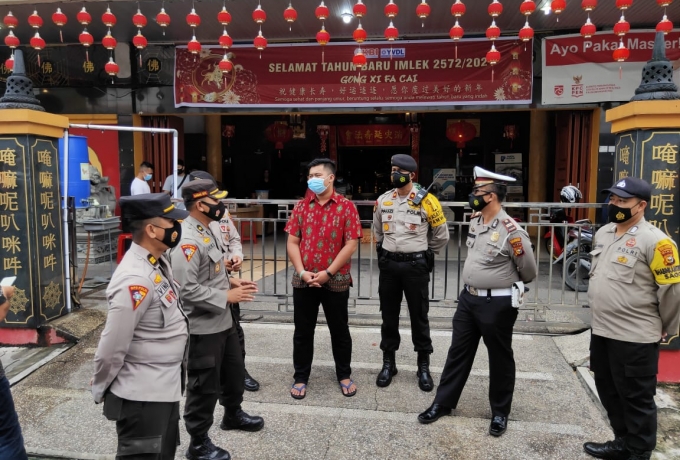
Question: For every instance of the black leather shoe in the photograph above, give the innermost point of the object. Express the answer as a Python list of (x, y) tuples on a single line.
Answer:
[(640, 455), (434, 413), (498, 425), (388, 371), (202, 448), (611, 450), (250, 384), (241, 421), (424, 378)]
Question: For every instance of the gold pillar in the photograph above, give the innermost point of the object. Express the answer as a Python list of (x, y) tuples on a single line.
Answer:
[(213, 131), (538, 159)]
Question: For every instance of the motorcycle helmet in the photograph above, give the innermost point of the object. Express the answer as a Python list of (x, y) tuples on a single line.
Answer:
[(570, 194)]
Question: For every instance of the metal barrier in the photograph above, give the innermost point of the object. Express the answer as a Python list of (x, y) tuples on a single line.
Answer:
[(550, 300)]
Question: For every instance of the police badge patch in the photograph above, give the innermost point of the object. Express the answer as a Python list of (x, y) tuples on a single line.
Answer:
[(188, 250), (137, 294)]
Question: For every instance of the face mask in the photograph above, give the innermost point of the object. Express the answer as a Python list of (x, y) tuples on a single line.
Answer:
[(180, 171), (400, 179), (316, 185), (148, 177), (477, 202), (172, 235), (215, 211), (619, 215)]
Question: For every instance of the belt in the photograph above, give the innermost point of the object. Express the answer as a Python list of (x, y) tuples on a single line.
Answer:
[(404, 257), (489, 292)]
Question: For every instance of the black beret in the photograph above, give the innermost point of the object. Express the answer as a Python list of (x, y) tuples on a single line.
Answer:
[(149, 205), (200, 188), (629, 187), (405, 162)]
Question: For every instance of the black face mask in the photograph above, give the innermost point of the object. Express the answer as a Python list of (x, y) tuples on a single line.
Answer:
[(400, 179), (619, 215), (180, 171), (216, 211), (172, 235), (477, 202)]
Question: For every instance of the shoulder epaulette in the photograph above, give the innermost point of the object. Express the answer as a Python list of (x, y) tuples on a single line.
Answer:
[(509, 225)]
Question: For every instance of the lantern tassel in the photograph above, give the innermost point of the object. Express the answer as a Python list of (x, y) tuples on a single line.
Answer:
[(61, 37), (323, 56), (140, 58), (456, 52), (620, 72), (492, 74), (39, 59), (87, 55)]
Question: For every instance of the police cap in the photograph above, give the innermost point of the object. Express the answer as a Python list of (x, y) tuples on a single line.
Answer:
[(405, 162), (484, 177), (199, 188), (631, 187), (149, 205)]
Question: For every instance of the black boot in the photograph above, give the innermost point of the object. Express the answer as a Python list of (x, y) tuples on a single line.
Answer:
[(250, 384), (388, 371), (202, 448), (612, 450), (239, 420), (424, 378), (640, 455)]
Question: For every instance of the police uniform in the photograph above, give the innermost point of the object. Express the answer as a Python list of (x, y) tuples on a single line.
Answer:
[(215, 368), (140, 360), (634, 294), (405, 232), (499, 259)]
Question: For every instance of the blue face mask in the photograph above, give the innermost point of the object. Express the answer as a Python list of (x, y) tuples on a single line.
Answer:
[(316, 185), (148, 177)]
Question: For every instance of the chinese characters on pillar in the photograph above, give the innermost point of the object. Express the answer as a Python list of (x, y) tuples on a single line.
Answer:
[(660, 167)]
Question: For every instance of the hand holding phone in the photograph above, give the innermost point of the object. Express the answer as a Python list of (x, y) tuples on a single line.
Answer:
[(8, 281)]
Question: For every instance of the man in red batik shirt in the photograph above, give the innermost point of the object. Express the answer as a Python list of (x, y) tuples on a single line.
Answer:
[(323, 232)]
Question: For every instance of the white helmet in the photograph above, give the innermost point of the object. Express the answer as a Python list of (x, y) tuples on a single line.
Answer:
[(570, 194)]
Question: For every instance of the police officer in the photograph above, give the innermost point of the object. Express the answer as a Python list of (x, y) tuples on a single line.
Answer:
[(139, 363), (634, 294), (499, 261), (410, 227), (215, 369)]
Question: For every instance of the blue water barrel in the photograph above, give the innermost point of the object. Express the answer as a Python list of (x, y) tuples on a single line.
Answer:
[(78, 169)]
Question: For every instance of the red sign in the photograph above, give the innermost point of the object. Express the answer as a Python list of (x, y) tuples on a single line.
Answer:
[(373, 135), (396, 74)]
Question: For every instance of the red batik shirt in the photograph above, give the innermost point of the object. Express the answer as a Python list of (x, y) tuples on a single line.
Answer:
[(323, 232)]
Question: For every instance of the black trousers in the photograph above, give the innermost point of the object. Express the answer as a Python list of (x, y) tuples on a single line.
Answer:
[(625, 377), (236, 317), (410, 279), (146, 430), (491, 319), (215, 372), (306, 302)]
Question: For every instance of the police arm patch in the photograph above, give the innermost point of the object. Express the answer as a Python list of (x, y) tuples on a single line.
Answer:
[(137, 294), (435, 213), (188, 250), (517, 246), (665, 264)]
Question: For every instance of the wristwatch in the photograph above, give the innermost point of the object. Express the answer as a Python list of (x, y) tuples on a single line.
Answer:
[(330, 275)]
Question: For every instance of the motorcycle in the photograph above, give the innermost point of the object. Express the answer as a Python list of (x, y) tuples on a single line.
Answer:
[(554, 237), (577, 258)]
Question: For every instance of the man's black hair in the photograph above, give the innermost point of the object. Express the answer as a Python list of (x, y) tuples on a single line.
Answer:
[(328, 164), (501, 191), (146, 164)]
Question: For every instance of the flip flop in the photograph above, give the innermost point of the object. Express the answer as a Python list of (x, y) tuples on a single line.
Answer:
[(299, 387), (347, 387)]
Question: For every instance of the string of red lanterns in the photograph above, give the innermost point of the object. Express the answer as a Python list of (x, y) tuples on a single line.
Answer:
[(11, 40), (457, 32), (621, 28), (259, 16), (224, 18), (139, 41), (359, 35), (391, 32), (85, 38), (588, 29), (493, 32), (322, 37), (109, 42), (36, 42), (193, 21), (526, 33)]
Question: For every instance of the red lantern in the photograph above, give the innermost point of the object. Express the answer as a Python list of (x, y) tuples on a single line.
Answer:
[(588, 5), (223, 17), (664, 25), (59, 19), (359, 59), (111, 68), (391, 33), (456, 33), (138, 19), (322, 12), (359, 34), (557, 6), (391, 10), (495, 9), (493, 56), (35, 21), (622, 27), (461, 132), (83, 17), (458, 9), (9, 63), (526, 33), (108, 18), (225, 64), (37, 43), (139, 41), (163, 19), (423, 11), (193, 19), (259, 16), (11, 22), (260, 43), (225, 40), (664, 3), (527, 7), (322, 38), (289, 14), (278, 133), (621, 54), (493, 31), (588, 29), (194, 46), (359, 9), (623, 4), (11, 40), (86, 40), (108, 41)]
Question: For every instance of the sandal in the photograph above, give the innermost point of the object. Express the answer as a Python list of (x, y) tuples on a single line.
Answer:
[(347, 387), (299, 387)]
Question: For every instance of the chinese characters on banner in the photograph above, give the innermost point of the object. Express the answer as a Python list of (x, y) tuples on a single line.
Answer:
[(410, 73), (373, 135)]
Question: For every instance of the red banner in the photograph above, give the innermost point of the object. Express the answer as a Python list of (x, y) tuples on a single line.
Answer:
[(373, 135), (399, 74)]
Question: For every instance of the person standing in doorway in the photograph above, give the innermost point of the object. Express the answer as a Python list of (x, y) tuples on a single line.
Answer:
[(140, 184), (169, 184)]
